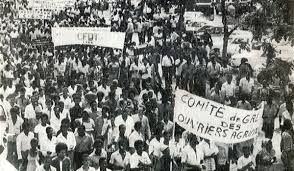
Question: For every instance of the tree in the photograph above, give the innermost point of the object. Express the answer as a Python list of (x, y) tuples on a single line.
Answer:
[(227, 32), (273, 21)]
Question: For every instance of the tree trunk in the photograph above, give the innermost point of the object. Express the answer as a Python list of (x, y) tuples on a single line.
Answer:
[(226, 31), (225, 46), (181, 22)]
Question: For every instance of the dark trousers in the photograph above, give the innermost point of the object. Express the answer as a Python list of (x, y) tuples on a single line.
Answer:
[(12, 154), (168, 74), (223, 167)]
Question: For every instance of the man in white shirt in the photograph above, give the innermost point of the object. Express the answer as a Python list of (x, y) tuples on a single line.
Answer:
[(14, 124), (140, 159), (23, 143), (65, 98), (135, 135), (247, 86), (192, 156), (67, 137), (246, 162), (48, 143), (120, 159), (167, 66), (228, 90), (40, 129), (126, 120)]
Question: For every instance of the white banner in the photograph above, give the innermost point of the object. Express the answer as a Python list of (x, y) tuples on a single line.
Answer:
[(56, 5), (98, 36), (215, 121), (34, 14)]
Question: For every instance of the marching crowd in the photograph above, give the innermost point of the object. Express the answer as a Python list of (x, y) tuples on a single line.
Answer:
[(92, 108)]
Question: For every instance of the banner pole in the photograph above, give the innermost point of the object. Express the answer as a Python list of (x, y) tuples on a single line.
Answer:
[(173, 137)]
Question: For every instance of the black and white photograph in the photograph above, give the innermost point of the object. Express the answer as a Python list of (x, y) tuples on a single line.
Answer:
[(147, 85)]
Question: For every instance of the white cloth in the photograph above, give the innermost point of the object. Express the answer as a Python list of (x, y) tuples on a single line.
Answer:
[(136, 159), (41, 131), (129, 123), (156, 147), (246, 86), (23, 143), (135, 136), (189, 156), (228, 90), (117, 160), (41, 168), (47, 145), (242, 161), (70, 140)]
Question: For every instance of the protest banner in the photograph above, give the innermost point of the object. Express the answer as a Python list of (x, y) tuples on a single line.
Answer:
[(98, 36), (34, 14), (55, 5), (215, 121)]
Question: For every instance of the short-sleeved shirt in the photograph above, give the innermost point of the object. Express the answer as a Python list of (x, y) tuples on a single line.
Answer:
[(246, 86), (242, 161), (136, 159), (117, 160)]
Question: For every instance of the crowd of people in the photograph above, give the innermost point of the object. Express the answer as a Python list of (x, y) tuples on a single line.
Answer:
[(89, 108)]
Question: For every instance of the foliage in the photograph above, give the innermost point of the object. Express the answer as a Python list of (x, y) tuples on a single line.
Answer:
[(277, 69)]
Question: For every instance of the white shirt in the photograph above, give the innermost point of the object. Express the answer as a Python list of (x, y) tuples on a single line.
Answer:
[(135, 136), (117, 160), (23, 143), (15, 128), (105, 90), (228, 90), (70, 140), (136, 159), (246, 86), (55, 122), (180, 67), (242, 161), (41, 168), (71, 90), (191, 157), (48, 145), (176, 148), (41, 131), (156, 147), (129, 123), (68, 103), (167, 61), (30, 112)]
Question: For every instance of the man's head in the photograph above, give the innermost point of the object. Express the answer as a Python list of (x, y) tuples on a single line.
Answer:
[(44, 119), (81, 130), (61, 150), (14, 112), (193, 140), (122, 129), (139, 146), (26, 127), (246, 151), (100, 96), (49, 131), (138, 126), (229, 78)]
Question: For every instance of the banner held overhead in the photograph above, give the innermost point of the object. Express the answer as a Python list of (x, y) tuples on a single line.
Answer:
[(215, 121), (99, 36)]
